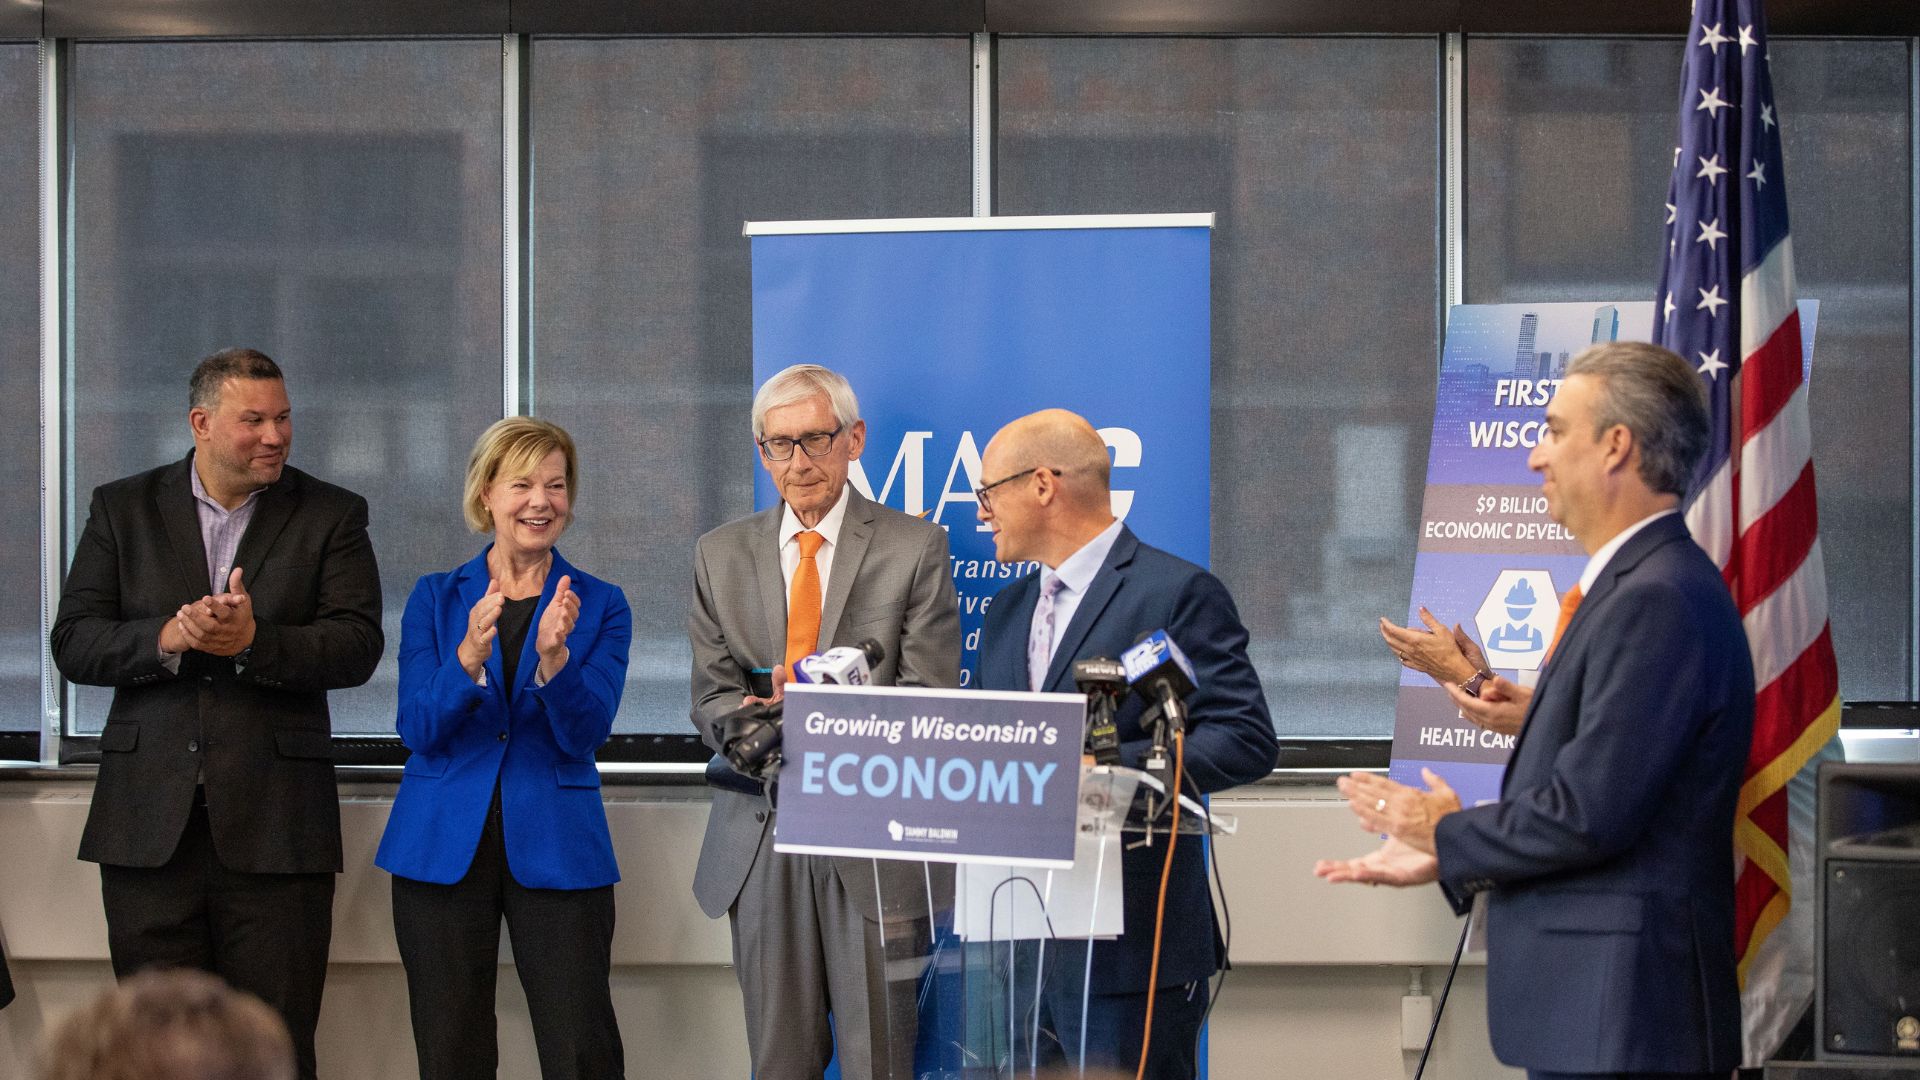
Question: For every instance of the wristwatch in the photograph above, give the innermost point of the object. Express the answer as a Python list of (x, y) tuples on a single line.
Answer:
[(1471, 687)]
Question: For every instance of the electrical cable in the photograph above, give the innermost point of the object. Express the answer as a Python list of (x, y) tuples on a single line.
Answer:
[(1219, 897), (1032, 1010), (1160, 909), (1440, 1006)]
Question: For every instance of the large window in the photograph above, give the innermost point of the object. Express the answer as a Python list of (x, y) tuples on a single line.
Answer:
[(333, 204), (342, 205), (21, 650), (648, 157), (1318, 156), (1569, 144)]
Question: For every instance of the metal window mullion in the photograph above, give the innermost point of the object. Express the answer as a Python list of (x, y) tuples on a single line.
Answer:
[(983, 125), (1453, 157), (1913, 366), (55, 319), (512, 220)]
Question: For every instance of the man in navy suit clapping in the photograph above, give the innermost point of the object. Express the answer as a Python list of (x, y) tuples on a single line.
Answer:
[(1608, 860)]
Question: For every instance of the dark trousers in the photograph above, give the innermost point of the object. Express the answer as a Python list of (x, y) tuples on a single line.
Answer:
[(1115, 1023), (449, 937), (266, 934), (1536, 1074)]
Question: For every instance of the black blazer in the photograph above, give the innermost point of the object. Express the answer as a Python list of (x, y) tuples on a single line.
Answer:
[(261, 736)]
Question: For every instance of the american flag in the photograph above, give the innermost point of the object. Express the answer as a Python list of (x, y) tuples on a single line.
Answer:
[(1728, 304)]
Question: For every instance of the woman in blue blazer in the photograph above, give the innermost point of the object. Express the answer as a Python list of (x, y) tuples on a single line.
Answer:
[(511, 668)]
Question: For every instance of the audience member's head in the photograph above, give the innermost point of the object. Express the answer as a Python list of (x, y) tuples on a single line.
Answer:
[(170, 1025)]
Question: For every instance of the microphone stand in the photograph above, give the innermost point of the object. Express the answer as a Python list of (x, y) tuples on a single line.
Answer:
[(770, 781), (1169, 717)]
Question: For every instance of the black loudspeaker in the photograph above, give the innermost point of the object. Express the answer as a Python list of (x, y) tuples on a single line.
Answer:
[(1867, 945)]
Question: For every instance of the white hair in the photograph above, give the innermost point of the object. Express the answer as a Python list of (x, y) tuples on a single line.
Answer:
[(798, 383)]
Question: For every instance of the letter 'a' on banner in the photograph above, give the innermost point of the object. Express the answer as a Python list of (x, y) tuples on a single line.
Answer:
[(1489, 558), (948, 328)]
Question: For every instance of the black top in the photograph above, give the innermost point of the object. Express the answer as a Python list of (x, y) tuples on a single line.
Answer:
[(515, 617)]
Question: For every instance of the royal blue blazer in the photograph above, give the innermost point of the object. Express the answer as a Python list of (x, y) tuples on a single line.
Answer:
[(536, 741)]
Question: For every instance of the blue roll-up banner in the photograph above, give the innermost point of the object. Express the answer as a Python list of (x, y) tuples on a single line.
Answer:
[(1490, 559), (949, 328)]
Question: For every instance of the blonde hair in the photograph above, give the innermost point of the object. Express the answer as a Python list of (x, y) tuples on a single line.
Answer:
[(170, 1025), (515, 447)]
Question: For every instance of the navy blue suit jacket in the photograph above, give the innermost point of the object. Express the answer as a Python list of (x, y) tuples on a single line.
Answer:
[(1609, 857), (538, 742), (1230, 738)]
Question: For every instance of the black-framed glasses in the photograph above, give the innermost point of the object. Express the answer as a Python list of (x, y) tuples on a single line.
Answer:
[(816, 444), (980, 493)]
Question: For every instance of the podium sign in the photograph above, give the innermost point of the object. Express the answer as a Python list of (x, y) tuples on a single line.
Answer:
[(937, 775)]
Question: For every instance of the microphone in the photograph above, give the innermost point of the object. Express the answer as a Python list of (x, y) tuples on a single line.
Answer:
[(847, 665), (750, 736), (1104, 681), (1160, 673)]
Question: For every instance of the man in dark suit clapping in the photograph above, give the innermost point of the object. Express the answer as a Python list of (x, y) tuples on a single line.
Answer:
[(221, 597), (1608, 860)]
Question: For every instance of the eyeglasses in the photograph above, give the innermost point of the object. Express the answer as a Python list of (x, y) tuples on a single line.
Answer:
[(980, 493), (816, 444)]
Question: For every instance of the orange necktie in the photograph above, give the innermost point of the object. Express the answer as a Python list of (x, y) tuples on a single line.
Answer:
[(803, 601), (1568, 604)]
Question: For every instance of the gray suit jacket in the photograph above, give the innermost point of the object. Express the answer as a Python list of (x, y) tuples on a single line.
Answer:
[(891, 581)]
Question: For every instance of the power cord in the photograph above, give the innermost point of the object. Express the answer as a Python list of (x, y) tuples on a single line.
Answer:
[(1440, 1006), (1219, 897), (1160, 909)]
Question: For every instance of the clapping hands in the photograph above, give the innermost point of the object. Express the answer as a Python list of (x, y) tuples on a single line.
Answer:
[(1451, 657), (482, 627), (1407, 815), (1446, 654), (220, 624), (1392, 863), (1501, 707), (550, 642), (550, 639)]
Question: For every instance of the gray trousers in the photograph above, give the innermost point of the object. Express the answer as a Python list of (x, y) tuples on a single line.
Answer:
[(801, 951)]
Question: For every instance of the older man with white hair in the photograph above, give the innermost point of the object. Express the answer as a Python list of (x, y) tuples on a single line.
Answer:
[(826, 567)]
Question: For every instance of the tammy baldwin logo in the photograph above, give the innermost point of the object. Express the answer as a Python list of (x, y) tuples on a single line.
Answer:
[(921, 834)]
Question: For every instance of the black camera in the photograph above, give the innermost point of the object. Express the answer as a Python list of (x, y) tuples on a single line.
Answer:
[(750, 738)]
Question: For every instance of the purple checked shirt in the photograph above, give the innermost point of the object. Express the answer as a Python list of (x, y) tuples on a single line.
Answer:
[(220, 532)]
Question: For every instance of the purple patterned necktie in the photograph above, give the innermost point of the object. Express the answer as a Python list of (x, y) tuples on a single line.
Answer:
[(1040, 639)]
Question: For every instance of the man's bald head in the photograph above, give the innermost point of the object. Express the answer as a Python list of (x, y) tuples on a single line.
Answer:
[(1044, 479), (1057, 439)]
